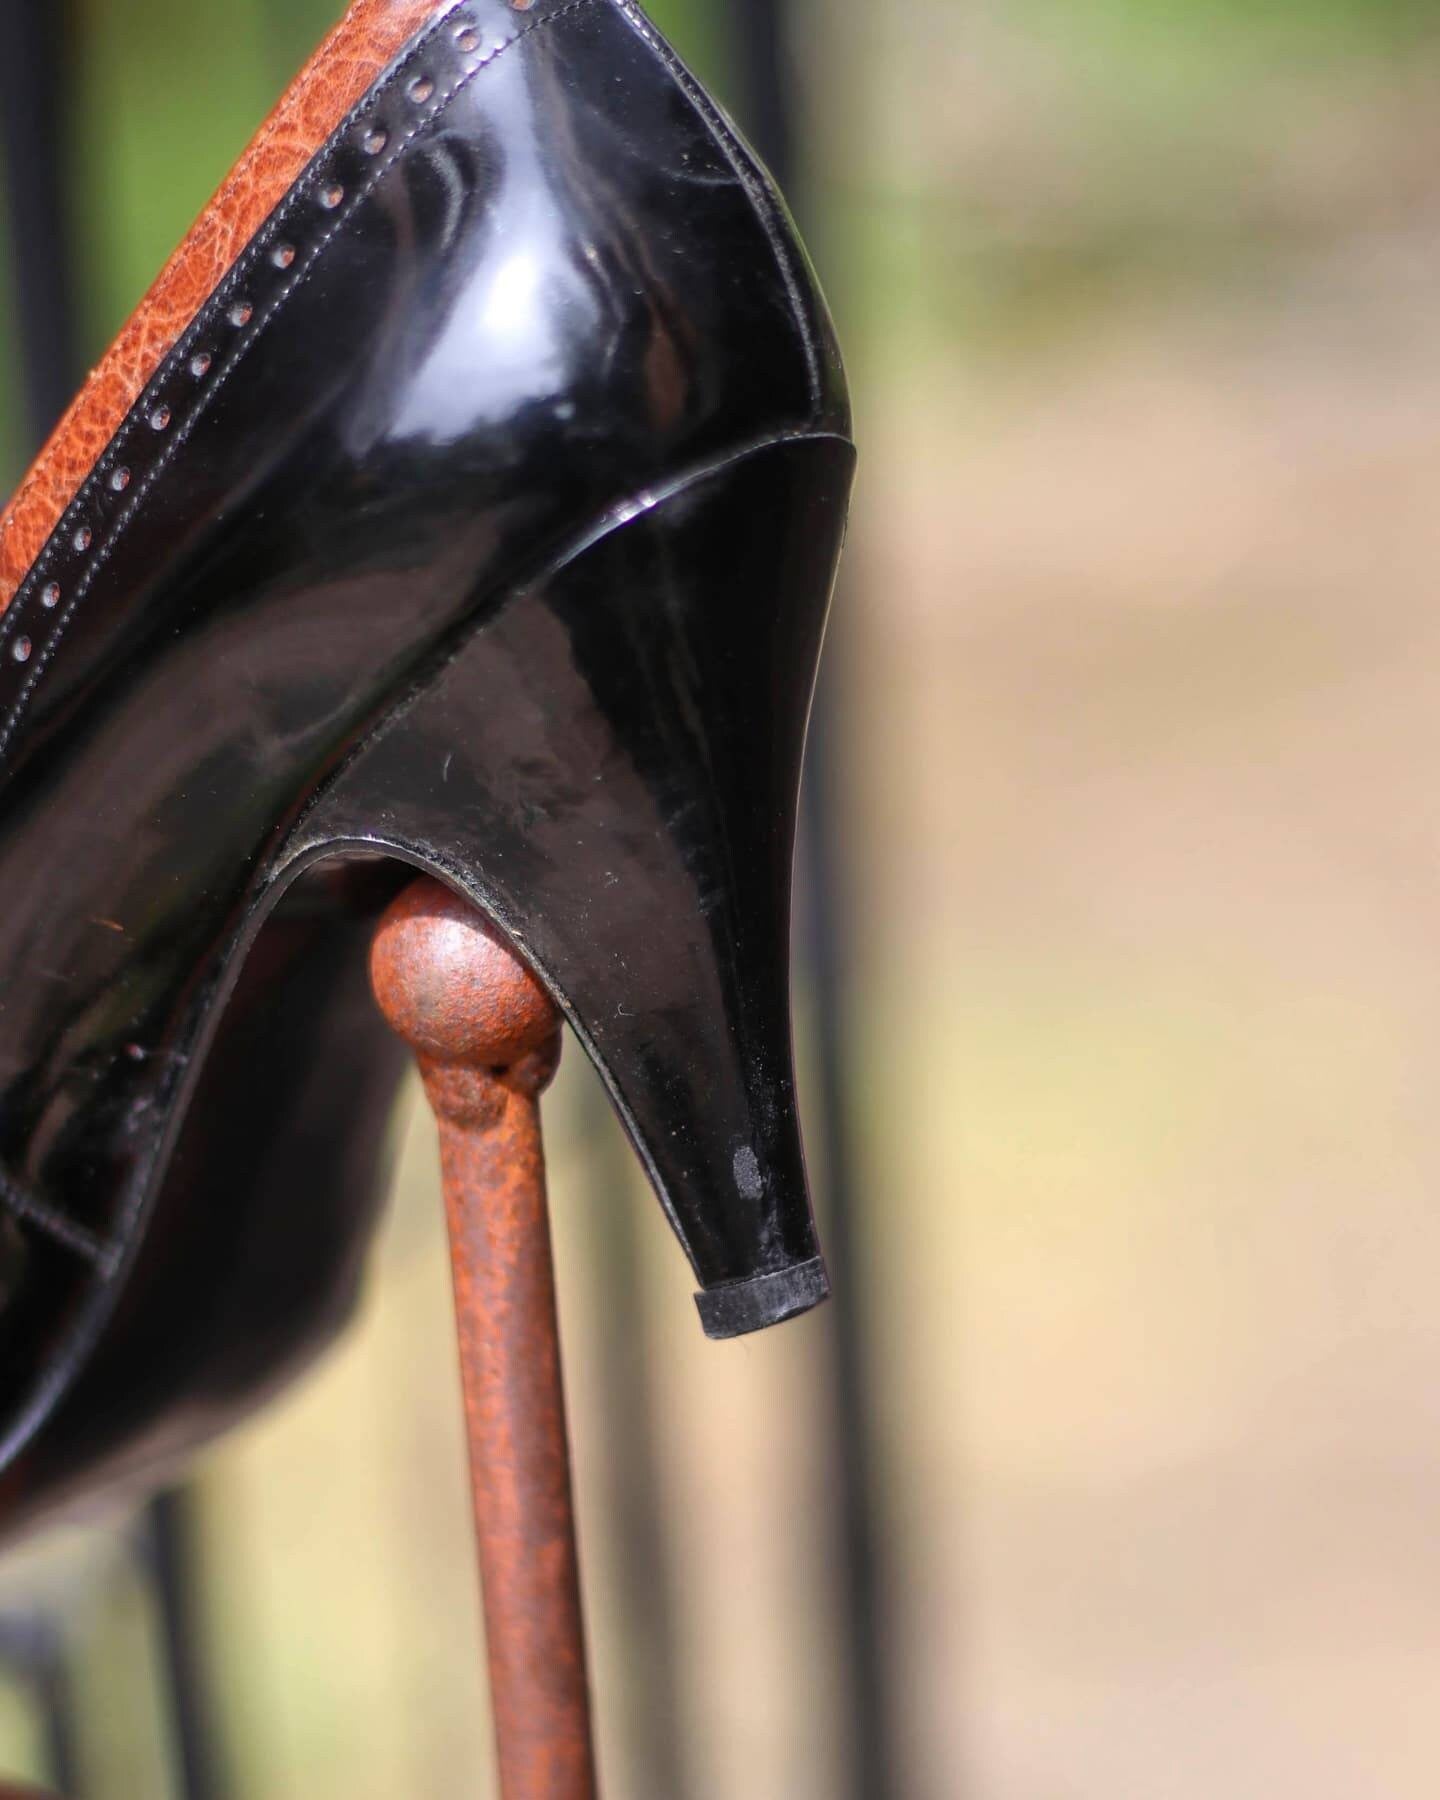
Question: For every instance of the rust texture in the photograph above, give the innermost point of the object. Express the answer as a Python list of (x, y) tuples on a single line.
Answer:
[(487, 1040)]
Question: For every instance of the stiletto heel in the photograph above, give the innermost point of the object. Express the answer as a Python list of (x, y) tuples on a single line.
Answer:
[(467, 495), (608, 765)]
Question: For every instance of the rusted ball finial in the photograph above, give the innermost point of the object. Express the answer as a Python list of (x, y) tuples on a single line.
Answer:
[(455, 992)]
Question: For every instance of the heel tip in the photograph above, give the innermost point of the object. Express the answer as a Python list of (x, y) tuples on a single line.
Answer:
[(736, 1307)]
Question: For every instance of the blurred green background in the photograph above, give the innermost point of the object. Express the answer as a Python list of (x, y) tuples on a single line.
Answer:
[(1135, 682)]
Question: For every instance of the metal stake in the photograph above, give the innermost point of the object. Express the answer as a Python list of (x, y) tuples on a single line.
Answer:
[(487, 1040)]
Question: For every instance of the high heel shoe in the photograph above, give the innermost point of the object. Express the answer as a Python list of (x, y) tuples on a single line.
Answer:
[(466, 496)]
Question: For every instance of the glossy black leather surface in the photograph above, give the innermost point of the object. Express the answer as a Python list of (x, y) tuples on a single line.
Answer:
[(625, 804), (560, 287), (254, 1248)]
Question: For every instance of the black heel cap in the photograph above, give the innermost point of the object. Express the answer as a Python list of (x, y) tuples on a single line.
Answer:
[(739, 1306)]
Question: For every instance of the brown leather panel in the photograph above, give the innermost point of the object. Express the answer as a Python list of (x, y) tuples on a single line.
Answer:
[(368, 38)]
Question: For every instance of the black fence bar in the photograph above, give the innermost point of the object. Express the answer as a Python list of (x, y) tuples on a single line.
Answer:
[(764, 34), (55, 1697), (171, 1528), (34, 56), (33, 1657), (631, 1472)]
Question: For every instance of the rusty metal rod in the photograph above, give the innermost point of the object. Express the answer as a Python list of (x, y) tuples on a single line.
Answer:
[(487, 1040)]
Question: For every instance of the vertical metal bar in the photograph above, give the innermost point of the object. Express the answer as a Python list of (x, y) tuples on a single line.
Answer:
[(871, 1700), (32, 1654), (34, 53), (769, 105), (487, 1040), (56, 1699), (631, 1474), (170, 1528)]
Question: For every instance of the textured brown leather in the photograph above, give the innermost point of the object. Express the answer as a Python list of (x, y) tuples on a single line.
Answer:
[(368, 38)]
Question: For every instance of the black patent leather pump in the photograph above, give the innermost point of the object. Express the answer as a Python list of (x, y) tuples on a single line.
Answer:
[(479, 515)]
